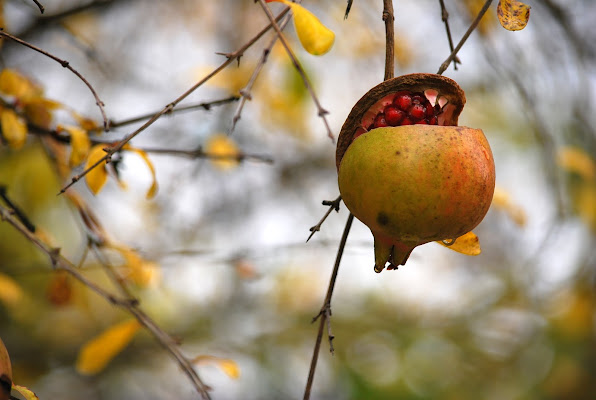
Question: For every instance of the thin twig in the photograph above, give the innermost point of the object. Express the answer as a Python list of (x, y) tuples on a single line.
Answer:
[(389, 38), (64, 64), (168, 108), (320, 110), (333, 205), (60, 262), (203, 105), (348, 8), (471, 29), (325, 313), (200, 153), (246, 91), (16, 210), (40, 6), (445, 18)]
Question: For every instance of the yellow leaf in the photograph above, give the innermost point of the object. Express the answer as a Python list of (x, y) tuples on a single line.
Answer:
[(26, 393), (502, 201), (142, 272), (98, 176), (315, 37), (86, 123), (10, 291), (38, 110), (14, 129), (222, 151), (153, 189), (584, 202), (576, 160), (513, 15), (79, 143), (99, 351), (230, 367), (14, 84), (467, 244)]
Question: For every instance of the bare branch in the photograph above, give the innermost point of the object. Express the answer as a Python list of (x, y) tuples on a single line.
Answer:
[(66, 65), (389, 39), (40, 6), (445, 18), (60, 262), (333, 205), (471, 29), (321, 111), (168, 108), (325, 313)]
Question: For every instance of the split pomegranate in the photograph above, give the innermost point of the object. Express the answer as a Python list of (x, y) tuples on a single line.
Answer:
[(407, 171)]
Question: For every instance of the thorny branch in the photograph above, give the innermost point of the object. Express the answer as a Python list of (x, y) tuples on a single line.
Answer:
[(168, 108), (325, 313), (66, 65), (445, 18), (464, 38), (333, 205), (246, 91), (131, 306), (321, 111)]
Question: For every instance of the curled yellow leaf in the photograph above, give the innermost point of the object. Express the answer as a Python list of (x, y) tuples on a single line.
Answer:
[(513, 15), (315, 37), (99, 351), (153, 188), (467, 244), (98, 176), (576, 160), (14, 128), (79, 144), (38, 110), (222, 150), (228, 366), (25, 392)]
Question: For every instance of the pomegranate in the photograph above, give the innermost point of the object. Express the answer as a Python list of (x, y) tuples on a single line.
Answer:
[(407, 171), (5, 373)]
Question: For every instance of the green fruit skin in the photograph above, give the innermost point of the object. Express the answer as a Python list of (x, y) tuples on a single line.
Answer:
[(415, 184)]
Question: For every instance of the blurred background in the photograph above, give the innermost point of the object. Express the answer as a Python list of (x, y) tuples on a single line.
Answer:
[(222, 246)]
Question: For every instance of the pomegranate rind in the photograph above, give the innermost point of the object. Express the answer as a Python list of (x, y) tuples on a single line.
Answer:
[(446, 88), (418, 183)]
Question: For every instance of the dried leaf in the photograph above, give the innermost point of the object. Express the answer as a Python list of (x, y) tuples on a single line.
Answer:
[(79, 143), (14, 128), (576, 160), (25, 392), (467, 244), (98, 176), (315, 37), (59, 289), (584, 202), (99, 351), (14, 84), (153, 189), (230, 367), (222, 150), (10, 291), (513, 15), (502, 201)]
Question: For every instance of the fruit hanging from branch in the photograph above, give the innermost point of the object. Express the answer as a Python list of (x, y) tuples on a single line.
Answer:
[(406, 169)]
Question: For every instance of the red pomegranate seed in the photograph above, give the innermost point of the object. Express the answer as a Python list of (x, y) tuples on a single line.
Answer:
[(393, 115), (406, 121), (433, 121), (422, 122), (380, 121), (403, 101), (417, 111)]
